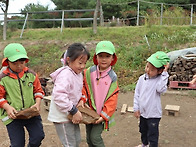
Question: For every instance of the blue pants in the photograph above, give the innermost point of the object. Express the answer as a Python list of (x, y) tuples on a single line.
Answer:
[(149, 129), (34, 127)]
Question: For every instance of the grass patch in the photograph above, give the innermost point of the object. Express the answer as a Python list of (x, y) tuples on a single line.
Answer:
[(45, 46)]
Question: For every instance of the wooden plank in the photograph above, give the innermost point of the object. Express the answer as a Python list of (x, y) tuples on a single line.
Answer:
[(123, 109), (172, 107), (47, 97), (130, 109), (172, 110)]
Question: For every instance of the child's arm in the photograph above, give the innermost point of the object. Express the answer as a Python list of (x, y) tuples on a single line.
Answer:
[(38, 93), (109, 107), (193, 80), (4, 104), (136, 99), (162, 84), (166, 67), (37, 103)]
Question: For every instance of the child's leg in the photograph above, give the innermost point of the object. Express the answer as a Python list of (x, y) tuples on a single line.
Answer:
[(35, 129), (16, 133), (143, 130), (153, 131), (68, 133), (94, 132), (88, 133)]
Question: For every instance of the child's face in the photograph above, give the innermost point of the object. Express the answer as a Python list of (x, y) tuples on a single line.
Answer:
[(17, 66), (104, 60), (151, 70), (79, 64)]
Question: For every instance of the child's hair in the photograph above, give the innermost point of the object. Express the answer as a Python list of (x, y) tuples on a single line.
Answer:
[(74, 51), (160, 68)]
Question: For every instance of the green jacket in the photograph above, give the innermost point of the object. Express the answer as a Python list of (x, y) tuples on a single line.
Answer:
[(19, 91)]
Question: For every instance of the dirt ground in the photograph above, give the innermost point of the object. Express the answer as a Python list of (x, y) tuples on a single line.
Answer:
[(175, 131)]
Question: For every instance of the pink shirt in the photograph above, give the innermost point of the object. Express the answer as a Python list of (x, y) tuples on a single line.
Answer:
[(100, 86)]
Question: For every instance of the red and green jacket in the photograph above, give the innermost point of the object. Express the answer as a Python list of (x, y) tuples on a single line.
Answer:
[(18, 90), (111, 99)]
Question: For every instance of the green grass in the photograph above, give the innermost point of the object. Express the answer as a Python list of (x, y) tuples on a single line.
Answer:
[(45, 46)]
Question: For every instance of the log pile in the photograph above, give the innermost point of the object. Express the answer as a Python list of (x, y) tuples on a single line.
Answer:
[(47, 85), (183, 68)]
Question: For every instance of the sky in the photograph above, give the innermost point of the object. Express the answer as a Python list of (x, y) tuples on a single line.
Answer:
[(16, 5)]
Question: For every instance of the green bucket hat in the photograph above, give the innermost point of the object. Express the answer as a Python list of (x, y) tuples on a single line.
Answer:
[(13, 52), (106, 47), (158, 59)]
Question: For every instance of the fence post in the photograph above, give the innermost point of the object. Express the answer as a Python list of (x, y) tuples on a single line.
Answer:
[(161, 21), (62, 22), (138, 11), (24, 25), (191, 22)]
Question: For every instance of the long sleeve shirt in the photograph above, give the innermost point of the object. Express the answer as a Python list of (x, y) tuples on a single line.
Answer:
[(66, 93), (147, 97)]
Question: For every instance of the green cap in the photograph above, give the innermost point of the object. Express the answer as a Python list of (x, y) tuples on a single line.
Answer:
[(15, 51), (159, 59), (106, 47)]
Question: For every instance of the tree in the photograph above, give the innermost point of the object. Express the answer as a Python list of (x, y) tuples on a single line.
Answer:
[(36, 8), (4, 7), (70, 4), (95, 16), (73, 5)]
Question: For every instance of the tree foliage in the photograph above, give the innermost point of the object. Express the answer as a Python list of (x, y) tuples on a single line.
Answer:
[(36, 8), (123, 9), (76, 4)]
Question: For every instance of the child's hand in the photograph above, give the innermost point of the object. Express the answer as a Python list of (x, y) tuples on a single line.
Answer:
[(37, 106), (11, 111), (77, 118), (137, 114), (193, 80), (166, 67), (81, 103), (99, 120)]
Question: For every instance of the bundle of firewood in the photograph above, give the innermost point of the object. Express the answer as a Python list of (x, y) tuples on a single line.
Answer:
[(183, 68)]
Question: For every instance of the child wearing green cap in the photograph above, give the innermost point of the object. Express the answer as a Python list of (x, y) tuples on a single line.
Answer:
[(100, 91), (20, 88), (147, 100)]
